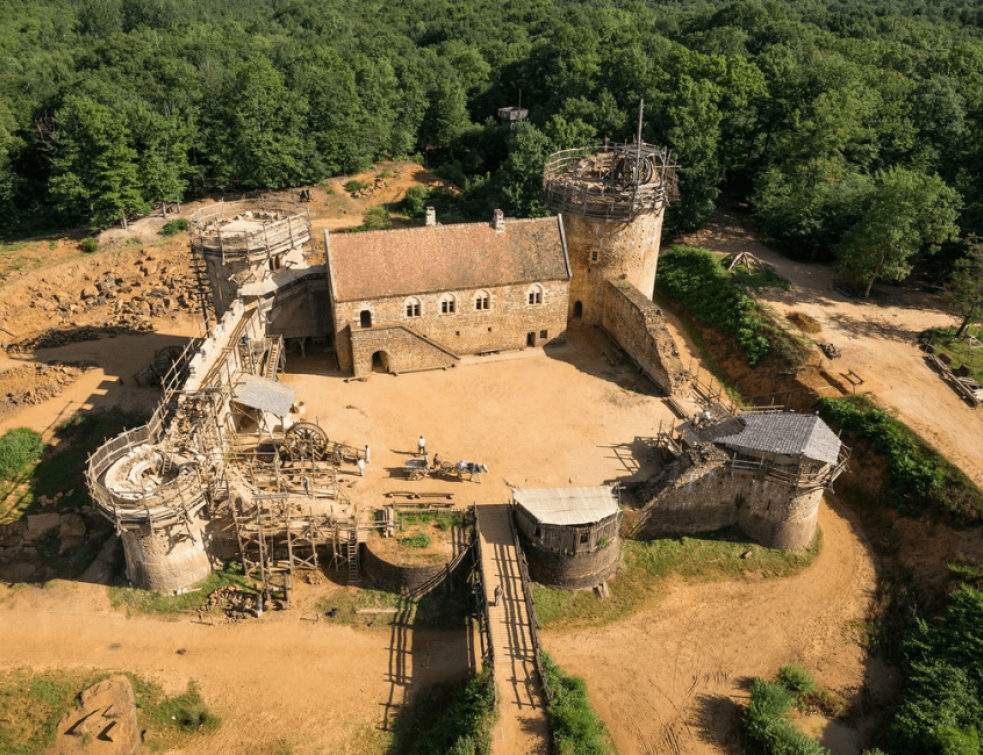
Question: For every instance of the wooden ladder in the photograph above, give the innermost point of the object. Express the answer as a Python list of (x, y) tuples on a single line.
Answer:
[(273, 361), (352, 554)]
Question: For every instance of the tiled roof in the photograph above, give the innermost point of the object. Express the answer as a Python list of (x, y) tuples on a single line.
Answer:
[(376, 264), (567, 506), (786, 433)]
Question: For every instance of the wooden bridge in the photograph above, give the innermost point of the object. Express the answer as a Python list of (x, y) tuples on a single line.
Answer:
[(521, 728)]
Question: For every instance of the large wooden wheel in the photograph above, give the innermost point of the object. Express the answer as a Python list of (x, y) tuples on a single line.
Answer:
[(305, 440)]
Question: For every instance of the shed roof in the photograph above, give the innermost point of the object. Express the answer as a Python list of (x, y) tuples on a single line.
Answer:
[(567, 506), (786, 433), (260, 393), (377, 264)]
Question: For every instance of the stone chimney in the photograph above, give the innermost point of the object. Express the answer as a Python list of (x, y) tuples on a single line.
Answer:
[(431, 216), (498, 221)]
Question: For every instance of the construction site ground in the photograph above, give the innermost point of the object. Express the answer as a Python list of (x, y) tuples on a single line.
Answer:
[(669, 679)]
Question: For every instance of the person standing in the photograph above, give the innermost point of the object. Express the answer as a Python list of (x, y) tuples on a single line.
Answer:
[(421, 446), (361, 467)]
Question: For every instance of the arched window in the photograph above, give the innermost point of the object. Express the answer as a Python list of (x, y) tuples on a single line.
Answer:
[(482, 301), (448, 304), (534, 295), (412, 307)]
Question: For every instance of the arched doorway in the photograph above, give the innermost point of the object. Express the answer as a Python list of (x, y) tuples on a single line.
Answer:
[(365, 319), (380, 362), (578, 310)]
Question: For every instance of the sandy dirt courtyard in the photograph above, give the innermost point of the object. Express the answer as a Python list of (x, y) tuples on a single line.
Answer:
[(572, 415)]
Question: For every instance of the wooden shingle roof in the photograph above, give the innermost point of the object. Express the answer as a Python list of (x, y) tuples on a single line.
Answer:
[(431, 259), (785, 433)]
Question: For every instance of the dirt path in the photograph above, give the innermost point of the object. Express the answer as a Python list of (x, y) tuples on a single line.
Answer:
[(281, 681), (672, 678), (878, 341)]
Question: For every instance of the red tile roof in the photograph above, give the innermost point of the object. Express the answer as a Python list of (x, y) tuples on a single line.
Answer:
[(377, 264)]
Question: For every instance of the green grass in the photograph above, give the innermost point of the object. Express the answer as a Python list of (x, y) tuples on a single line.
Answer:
[(944, 341), (356, 185), (135, 600), (758, 278), (442, 520), (32, 704), (648, 565), (574, 723)]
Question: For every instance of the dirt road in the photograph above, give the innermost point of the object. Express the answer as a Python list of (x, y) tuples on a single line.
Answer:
[(878, 341), (673, 678)]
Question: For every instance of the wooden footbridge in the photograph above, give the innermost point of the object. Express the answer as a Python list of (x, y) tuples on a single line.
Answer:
[(521, 728)]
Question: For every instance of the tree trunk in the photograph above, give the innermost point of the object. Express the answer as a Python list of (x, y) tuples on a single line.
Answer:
[(962, 328), (870, 285)]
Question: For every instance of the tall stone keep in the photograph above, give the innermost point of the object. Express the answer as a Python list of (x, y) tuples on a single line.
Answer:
[(613, 200)]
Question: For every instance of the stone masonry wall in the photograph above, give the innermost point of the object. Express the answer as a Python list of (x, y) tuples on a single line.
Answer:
[(698, 493), (774, 515), (600, 252), (506, 325), (161, 561), (637, 324), (405, 350), (407, 579), (572, 572)]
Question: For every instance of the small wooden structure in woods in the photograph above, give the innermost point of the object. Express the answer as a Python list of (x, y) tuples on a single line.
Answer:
[(570, 535)]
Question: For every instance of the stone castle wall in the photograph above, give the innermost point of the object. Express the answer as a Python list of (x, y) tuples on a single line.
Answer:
[(638, 325), (698, 493), (572, 572), (600, 252), (167, 560), (410, 580), (505, 325)]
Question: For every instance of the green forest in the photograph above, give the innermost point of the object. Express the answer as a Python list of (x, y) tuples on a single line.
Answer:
[(851, 128)]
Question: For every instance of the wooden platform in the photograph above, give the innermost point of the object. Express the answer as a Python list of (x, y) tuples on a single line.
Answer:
[(521, 727)]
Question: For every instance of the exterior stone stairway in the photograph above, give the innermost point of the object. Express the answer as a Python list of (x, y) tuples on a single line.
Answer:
[(521, 728)]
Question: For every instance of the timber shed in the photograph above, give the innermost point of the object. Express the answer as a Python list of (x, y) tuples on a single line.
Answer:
[(570, 535)]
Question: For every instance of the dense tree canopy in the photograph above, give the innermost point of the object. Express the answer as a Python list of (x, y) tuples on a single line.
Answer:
[(803, 109)]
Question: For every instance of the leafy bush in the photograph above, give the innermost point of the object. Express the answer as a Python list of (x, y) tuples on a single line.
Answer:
[(415, 541), (356, 185), (575, 725), (767, 721), (696, 279), (465, 727), (918, 474), (415, 202), (174, 227), (19, 448), (89, 245), (796, 680), (376, 219)]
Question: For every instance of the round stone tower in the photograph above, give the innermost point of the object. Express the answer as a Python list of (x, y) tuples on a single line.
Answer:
[(613, 200), (237, 246), (156, 500)]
